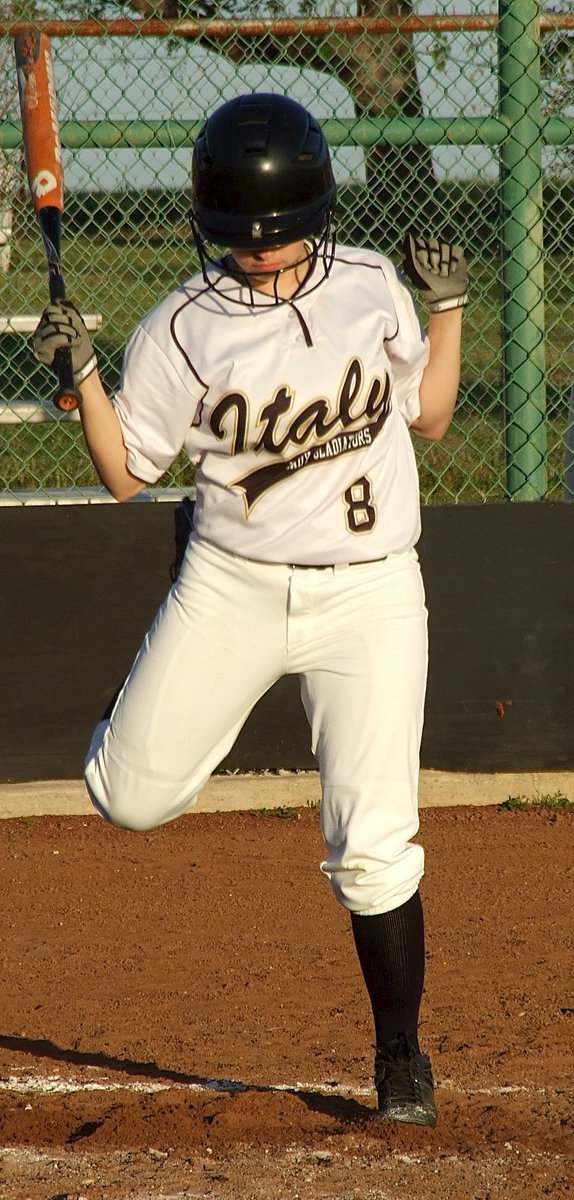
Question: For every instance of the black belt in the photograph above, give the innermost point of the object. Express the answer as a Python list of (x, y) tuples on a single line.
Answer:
[(329, 566)]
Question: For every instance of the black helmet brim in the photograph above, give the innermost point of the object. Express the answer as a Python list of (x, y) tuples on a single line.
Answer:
[(248, 231)]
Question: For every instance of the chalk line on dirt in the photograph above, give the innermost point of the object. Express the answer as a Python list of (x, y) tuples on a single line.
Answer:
[(58, 1084)]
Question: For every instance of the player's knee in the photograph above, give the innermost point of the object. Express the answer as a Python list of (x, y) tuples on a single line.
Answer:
[(137, 809), (116, 803), (125, 817), (118, 794), (134, 823), (133, 803), (116, 811)]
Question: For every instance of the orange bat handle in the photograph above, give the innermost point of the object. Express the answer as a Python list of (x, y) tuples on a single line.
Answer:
[(38, 106)]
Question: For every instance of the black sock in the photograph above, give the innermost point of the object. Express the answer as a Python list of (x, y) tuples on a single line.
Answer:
[(391, 952)]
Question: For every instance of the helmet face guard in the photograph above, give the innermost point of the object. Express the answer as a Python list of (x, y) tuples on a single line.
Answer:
[(317, 249), (261, 175)]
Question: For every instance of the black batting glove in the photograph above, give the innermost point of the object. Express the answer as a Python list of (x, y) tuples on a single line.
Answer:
[(61, 325), (438, 270)]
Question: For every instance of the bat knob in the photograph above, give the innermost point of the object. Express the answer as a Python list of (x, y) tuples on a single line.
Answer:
[(66, 401), (68, 396)]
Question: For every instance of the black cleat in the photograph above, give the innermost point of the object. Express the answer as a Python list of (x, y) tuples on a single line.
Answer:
[(404, 1083)]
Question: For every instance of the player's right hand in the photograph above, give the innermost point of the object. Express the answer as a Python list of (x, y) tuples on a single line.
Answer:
[(61, 325)]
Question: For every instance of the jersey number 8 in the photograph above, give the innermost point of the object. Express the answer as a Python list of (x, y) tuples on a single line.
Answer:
[(361, 513)]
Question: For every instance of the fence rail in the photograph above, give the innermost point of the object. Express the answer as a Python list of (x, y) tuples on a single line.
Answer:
[(365, 132), (313, 27)]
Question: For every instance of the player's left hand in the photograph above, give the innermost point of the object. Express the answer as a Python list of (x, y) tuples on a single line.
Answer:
[(438, 269)]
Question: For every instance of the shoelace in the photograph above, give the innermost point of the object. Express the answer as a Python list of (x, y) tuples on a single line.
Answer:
[(405, 1080)]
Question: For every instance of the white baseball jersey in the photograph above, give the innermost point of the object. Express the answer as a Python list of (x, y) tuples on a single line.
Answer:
[(295, 414)]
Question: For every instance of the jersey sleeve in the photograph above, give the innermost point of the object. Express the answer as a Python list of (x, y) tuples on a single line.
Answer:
[(408, 350), (155, 404)]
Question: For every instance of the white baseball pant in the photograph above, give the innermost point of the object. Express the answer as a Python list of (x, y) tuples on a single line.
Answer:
[(230, 627)]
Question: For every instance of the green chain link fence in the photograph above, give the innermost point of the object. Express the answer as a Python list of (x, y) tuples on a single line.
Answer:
[(442, 120)]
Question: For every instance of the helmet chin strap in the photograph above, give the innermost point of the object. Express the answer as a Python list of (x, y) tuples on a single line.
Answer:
[(245, 277), (204, 259)]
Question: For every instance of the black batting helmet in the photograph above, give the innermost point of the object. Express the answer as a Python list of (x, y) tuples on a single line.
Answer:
[(261, 174)]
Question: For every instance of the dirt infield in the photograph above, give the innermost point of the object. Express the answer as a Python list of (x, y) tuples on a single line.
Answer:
[(182, 1013)]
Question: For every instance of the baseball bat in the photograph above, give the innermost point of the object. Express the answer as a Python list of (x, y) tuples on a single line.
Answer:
[(43, 156)]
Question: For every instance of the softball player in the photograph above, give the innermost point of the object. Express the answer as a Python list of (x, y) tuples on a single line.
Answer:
[(293, 371)]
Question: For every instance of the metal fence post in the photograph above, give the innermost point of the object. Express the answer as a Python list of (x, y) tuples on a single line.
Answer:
[(524, 392)]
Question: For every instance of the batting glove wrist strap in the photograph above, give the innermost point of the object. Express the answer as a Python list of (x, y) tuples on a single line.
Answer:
[(453, 302), (61, 325), (90, 366), (438, 269)]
